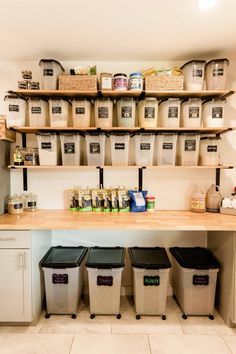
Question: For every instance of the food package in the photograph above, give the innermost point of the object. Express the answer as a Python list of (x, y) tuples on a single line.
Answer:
[(85, 200), (114, 200), (137, 200), (84, 70), (73, 199), (97, 200), (107, 200), (123, 200), (175, 71)]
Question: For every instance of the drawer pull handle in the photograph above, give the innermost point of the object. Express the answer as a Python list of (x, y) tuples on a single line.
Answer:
[(7, 239)]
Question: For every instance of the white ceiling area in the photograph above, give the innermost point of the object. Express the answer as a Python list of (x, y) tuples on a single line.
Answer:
[(116, 30)]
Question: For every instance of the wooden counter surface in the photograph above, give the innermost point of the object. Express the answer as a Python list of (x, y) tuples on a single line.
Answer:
[(158, 220)]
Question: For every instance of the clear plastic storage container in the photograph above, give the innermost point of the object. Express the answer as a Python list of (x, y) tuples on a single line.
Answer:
[(216, 74), (120, 149), (209, 151), (58, 112), (70, 149), (194, 280), (15, 111), (144, 149), (38, 112), (213, 113), (49, 149), (103, 111), (148, 112), (165, 153), (51, 69), (63, 269), (191, 113), (169, 113), (95, 146), (105, 267), (126, 108), (81, 113), (193, 72), (188, 149), (151, 268)]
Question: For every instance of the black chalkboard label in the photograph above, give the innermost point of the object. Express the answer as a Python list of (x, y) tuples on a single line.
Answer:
[(104, 280), (151, 280), (60, 278), (200, 279)]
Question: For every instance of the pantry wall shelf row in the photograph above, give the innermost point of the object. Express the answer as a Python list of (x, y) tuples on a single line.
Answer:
[(118, 167)]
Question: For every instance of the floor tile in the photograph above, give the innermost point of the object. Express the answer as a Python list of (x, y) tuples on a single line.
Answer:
[(110, 344), (24, 329), (231, 342), (182, 344)]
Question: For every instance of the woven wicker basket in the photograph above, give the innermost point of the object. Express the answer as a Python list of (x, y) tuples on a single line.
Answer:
[(78, 82), (164, 83)]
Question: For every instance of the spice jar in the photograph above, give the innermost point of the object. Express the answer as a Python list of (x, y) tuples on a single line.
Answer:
[(31, 157), (120, 82), (34, 85), (31, 202), (27, 74), (136, 81), (15, 205), (150, 202), (18, 157), (23, 85), (106, 81)]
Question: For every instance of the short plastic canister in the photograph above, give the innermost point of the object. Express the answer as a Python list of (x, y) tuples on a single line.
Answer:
[(81, 113), (49, 149), (194, 279), (63, 269), (120, 149), (209, 151), (38, 112), (51, 69), (165, 149), (216, 74), (169, 113), (151, 267), (193, 72), (105, 267), (144, 149), (103, 111), (126, 108), (188, 149), (70, 149), (95, 147), (213, 113), (191, 113), (15, 111), (58, 112), (148, 112)]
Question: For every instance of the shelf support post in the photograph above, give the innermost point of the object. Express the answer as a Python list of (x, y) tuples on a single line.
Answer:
[(218, 176), (140, 178), (25, 172), (101, 180)]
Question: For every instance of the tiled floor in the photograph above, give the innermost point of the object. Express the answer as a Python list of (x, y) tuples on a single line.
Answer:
[(107, 335)]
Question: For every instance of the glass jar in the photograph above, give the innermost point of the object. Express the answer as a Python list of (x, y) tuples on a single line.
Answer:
[(148, 112), (120, 81), (106, 81), (150, 202), (31, 202), (31, 157), (18, 156), (136, 81), (15, 205), (126, 108)]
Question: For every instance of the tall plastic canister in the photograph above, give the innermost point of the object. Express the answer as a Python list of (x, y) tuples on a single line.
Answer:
[(103, 112), (81, 113), (58, 112), (49, 149), (213, 113), (194, 280), (105, 267), (148, 112), (126, 109), (193, 72), (15, 111), (169, 113), (144, 149), (216, 74), (95, 147), (165, 149), (63, 269), (70, 149), (151, 267), (191, 113), (120, 149), (188, 149), (51, 69), (38, 112), (209, 154)]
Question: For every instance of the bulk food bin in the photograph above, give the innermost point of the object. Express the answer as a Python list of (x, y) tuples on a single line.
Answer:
[(81, 113), (151, 269), (105, 267), (216, 74), (70, 149), (144, 149), (38, 112), (165, 149), (15, 111), (188, 149), (49, 149), (209, 151), (191, 113), (194, 280), (126, 109), (193, 72), (63, 269), (148, 112), (169, 113), (95, 147), (58, 112), (120, 149), (103, 112), (51, 69), (213, 113)]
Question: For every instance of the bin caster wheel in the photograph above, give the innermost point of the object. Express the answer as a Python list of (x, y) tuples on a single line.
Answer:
[(211, 317), (92, 316), (138, 317), (184, 316), (118, 316), (47, 315), (163, 317), (73, 316)]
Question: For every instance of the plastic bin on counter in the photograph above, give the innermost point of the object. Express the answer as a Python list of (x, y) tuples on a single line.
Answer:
[(169, 113), (58, 112), (70, 149), (126, 109), (209, 151), (151, 267), (105, 267), (95, 147), (148, 112), (193, 72), (51, 69), (216, 74), (81, 113), (144, 149), (103, 111), (120, 149), (63, 269), (191, 113), (188, 149), (213, 113), (38, 112), (166, 146), (15, 111), (49, 149), (194, 280)]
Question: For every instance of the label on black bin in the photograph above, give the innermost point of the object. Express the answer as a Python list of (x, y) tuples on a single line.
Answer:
[(193, 112), (126, 112), (145, 146), (149, 112), (167, 146), (190, 145), (197, 73), (212, 148), (60, 278), (48, 72), (80, 110), (102, 112), (153, 280), (218, 72), (46, 146), (200, 279), (104, 280), (217, 112), (94, 148), (13, 108), (36, 110), (56, 110), (69, 148), (173, 112), (119, 146)]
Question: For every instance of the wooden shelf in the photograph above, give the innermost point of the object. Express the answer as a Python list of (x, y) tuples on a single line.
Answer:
[(54, 93), (121, 93), (188, 94), (118, 167)]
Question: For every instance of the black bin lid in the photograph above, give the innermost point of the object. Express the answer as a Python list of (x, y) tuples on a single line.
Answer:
[(194, 257), (149, 257), (106, 257), (63, 257)]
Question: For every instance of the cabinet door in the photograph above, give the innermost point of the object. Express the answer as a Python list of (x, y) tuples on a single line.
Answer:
[(15, 285)]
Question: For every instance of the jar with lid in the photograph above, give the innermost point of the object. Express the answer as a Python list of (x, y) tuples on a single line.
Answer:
[(103, 111), (120, 81), (126, 108), (18, 156), (150, 202), (31, 157), (31, 202), (136, 81), (148, 112), (106, 81), (15, 205)]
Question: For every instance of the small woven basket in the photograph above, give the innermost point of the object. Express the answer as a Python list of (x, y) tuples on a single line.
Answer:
[(78, 82), (164, 83)]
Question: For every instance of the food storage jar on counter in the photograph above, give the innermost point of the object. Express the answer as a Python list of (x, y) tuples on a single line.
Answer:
[(38, 112), (49, 149), (209, 151), (216, 74), (15, 111), (213, 113), (51, 69), (144, 148), (136, 81), (70, 149), (191, 113), (169, 113), (126, 109), (193, 72), (15, 205), (106, 81), (31, 157), (120, 82), (148, 112), (165, 149), (103, 111), (119, 149), (188, 149), (81, 113), (58, 112), (95, 147)]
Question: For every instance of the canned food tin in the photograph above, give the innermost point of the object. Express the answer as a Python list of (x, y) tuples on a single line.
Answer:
[(120, 82), (136, 81)]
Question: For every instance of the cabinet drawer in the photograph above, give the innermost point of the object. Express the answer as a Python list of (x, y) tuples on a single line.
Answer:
[(15, 239)]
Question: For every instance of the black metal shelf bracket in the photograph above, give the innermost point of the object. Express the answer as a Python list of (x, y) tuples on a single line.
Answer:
[(218, 176), (140, 178), (25, 172), (101, 179)]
